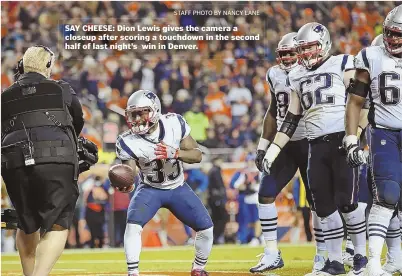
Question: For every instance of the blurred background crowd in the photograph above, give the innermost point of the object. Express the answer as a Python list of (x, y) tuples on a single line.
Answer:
[(220, 89)]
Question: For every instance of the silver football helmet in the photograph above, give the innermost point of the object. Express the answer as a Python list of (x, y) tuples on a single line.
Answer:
[(392, 31), (378, 41), (313, 44), (286, 53), (143, 111)]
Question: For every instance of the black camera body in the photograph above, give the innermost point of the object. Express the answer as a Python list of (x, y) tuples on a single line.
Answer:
[(87, 153)]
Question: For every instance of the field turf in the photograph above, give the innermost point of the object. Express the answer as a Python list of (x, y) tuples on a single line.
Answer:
[(225, 260)]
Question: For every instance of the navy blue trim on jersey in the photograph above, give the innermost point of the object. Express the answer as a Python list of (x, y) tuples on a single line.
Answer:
[(371, 113), (344, 61), (161, 134), (162, 131), (182, 125), (365, 60), (287, 80), (269, 80), (126, 148)]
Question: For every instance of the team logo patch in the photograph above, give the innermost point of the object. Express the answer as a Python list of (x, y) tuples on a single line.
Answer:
[(319, 29), (383, 142), (151, 96)]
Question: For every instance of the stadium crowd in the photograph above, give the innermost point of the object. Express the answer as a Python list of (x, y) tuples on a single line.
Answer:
[(220, 89)]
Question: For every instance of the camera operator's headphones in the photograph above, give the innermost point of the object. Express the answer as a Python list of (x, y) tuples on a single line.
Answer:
[(20, 65)]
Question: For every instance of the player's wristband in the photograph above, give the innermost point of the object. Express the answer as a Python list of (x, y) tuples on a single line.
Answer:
[(263, 144), (350, 140), (359, 132)]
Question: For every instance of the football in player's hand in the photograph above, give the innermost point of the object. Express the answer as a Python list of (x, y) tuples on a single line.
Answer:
[(122, 177)]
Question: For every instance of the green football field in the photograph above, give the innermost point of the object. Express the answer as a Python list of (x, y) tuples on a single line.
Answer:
[(224, 260)]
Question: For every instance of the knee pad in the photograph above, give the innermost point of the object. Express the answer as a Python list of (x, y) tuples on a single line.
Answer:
[(388, 193), (348, 208), (267, 187), (206, 234)]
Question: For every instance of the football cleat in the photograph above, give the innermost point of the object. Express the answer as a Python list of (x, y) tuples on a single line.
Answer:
[(199, 272), (268, 261), (347, 257), (359, 265), (319, 263), (330, 268), (373, 268), (391, 266)]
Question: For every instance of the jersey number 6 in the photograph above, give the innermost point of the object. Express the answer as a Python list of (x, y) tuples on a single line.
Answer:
[(390, 94), (325, 82)]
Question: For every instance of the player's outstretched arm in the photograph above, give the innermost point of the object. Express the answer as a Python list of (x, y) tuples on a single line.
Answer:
[(269, 128), (189, 151), (286, 131), (291, 121), (357, 93)]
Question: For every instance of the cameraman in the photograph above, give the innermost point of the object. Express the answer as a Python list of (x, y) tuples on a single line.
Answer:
[(41, 119)]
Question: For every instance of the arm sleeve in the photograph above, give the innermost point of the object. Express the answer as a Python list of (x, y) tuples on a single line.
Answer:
[(123, 152), (185, 128), (272, 106), (347, 63), (269, 80), (361, 61)]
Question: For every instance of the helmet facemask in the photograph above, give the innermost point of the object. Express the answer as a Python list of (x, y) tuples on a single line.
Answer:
[(310, 53), (141, 119), (287, 58), (393, 40)]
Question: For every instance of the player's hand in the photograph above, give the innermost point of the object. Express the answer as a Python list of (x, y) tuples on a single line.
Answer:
[(269, 158), (259, 159), (163, 151), (355, 154), (126, 190)]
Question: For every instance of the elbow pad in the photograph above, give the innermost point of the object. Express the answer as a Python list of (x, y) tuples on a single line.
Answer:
[(290, 123), (358, 88)]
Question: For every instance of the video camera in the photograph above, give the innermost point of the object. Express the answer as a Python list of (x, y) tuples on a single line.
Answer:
[(9, 219), (87, 153)]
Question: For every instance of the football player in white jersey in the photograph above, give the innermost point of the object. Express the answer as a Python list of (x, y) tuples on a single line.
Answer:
[(159, 143), (319, 94), (378, 75), (293, 157)]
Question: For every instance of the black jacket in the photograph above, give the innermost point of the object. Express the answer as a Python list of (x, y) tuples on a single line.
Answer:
[(216, 187), (47, 132)]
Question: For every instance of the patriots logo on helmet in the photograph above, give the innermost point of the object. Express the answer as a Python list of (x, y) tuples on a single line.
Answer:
[(319, 29), (151, 96)]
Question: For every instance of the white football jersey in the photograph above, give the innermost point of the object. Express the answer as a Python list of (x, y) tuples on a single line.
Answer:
[(385, 89), (322, 94), (276, 78), (161, 174)]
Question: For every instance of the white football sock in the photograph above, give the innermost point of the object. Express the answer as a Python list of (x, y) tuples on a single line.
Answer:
[(269, 220), (132, 246), (356, 227), (378, 222), (321, 249), (349, 243), (203, 245), (393, 240), (332, 227)]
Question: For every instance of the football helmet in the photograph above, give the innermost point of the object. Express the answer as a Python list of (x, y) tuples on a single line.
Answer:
[(313, 44), (378, 41), (286, 53), (143, 111), (392, 31)]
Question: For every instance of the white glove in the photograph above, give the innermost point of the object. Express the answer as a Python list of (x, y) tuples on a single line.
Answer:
[(272, 152), (355, 154)]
